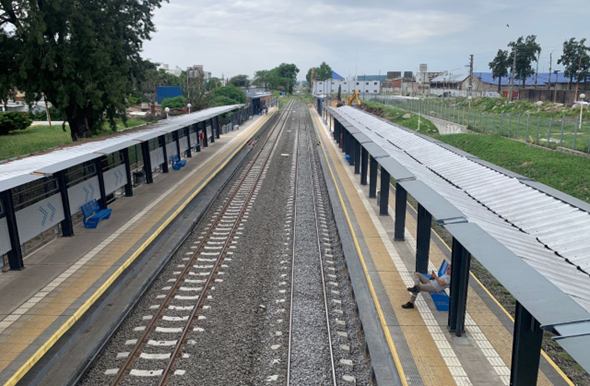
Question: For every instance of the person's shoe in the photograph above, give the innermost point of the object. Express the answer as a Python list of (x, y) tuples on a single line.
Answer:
[(408, 305), (413, 289)]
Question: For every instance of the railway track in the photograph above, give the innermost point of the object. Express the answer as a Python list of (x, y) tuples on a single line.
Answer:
[(174, 322)]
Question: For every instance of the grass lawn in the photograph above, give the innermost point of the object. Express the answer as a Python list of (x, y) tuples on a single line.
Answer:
[(39, 138), (397, 116), (561, 171)]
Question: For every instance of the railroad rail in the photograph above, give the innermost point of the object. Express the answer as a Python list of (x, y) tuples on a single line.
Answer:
[(190, 286)]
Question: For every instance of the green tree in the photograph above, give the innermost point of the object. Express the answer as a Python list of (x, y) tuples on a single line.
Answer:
[(285, 76), (213, 83), (228, 95), (83, 55), (499, 67), (527, 51), (196, 93), (322, 72), (240, 81), (575, 54), (261, 78), (178, 102)]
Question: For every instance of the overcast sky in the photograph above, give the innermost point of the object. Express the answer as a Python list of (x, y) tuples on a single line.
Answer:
[(363, 37)]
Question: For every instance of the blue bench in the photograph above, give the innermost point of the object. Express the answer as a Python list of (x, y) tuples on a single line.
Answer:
[(440, 299), (177, 164), (93, 214)]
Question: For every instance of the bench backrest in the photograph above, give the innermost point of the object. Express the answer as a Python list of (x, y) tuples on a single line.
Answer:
[(443, 268), (90, 207), (174, 158)]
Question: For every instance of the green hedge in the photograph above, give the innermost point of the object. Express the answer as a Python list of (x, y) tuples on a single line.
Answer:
[(13, 121)]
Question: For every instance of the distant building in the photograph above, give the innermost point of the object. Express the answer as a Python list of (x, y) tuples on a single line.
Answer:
[(197, 69), (176, 71), (330, 86)]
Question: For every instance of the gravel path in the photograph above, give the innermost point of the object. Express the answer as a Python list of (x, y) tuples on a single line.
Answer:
[(242, 335)]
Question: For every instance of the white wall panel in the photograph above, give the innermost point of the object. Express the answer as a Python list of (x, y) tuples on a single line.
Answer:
[(39, 217), (171, 149), (4, 237), (183, 144), (193, 139), (82, 193), (115, 179), (157, 157)]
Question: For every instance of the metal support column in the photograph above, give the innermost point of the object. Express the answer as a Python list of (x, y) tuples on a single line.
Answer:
[(357, 157), (127, 162), (401, 199), (204, 131), (147, 162), (423, 239), (102, 202), (67, 225), (217, 130), (162, 142), (15, 256), (372, 177), (176, 136), (364, 165), (212, 130), (384, 194), (189, 152), (460, 264), (526, 348)]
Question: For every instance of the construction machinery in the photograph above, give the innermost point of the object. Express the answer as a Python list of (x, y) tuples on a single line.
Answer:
[(354, 97), (338, 102)]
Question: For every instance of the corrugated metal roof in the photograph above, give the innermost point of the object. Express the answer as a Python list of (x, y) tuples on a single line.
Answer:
[(533, 225), (20, 171)]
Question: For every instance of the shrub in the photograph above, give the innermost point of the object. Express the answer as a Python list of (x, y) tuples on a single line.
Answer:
[(14, 121), (173, 103)]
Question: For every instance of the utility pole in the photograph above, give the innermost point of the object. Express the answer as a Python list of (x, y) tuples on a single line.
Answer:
[(512, 72), (550, 67), (470, 74), (537, 71)]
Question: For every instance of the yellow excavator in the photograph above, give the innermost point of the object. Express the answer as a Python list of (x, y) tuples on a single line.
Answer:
[(354, 97)]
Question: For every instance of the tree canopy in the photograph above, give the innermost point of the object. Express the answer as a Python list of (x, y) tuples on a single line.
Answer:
[(322, 72), (527, 51), (228, 95), (499, 66), (83, 55), (240, 81), (282, 77), (575, 54)]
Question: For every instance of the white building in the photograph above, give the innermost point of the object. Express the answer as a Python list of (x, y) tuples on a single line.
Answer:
[(330, 86)]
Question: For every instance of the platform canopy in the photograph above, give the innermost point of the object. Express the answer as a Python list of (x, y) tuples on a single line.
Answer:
[(531, 238), (28, 169)]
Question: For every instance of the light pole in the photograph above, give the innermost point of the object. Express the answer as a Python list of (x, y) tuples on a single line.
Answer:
[(419, 108), (189, 107), (167, 110), (582, 96)]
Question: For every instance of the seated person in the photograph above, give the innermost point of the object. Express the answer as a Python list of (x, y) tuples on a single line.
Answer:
[(434, 285)]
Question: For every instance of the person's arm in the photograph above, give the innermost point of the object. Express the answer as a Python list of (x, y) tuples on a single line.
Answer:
[(440, 282)]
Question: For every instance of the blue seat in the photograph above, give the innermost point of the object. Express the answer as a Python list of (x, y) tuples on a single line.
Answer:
[(440, 299), (93, 214), (177, 163)]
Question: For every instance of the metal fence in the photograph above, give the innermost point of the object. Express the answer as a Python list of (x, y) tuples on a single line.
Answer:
[(532, 128)]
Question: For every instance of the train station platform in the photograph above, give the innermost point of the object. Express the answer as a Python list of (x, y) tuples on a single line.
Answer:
[(64, 279), (413, 346)]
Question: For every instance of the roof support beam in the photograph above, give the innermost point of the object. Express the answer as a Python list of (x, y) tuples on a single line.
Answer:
[(103, 195), (372, 177), (384, 193), (15, 256), (176, 136), (212, 130), (127, 163), (364, 165), (189, 152), (67, 225), (147, 162), (401, 198), (526, 348), (460, 264), (422, 239), (162, 143), (357, 156)]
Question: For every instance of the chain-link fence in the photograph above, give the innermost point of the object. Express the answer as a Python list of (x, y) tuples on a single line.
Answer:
[(534, 128)]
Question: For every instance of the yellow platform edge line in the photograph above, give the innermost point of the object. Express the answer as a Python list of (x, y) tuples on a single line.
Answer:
[(368, 278), (80, 312), (543, 353)]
